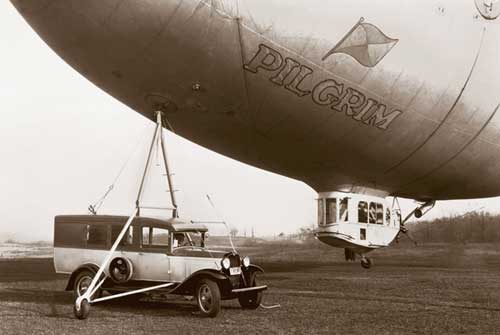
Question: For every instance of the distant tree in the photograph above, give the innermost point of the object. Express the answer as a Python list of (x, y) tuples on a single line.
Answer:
[(305, 233), (234, 232), (473, 227)]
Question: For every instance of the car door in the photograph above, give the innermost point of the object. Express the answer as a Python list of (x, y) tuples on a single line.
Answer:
[(153, 261)]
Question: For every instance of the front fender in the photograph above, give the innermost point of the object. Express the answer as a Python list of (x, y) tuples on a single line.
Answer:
[(255, 268), (187, 287), (71, 282), (250, 272)]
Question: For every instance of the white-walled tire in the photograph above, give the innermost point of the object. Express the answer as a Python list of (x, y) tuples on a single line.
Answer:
[(82, 283)]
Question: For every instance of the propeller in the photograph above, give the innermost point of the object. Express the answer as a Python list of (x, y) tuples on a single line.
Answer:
[(418, 213)]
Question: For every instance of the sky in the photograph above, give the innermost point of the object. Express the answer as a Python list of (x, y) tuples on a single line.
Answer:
[(63, 142)]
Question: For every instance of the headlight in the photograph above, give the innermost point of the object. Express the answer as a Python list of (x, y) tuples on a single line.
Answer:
[(226, 264), (246, 261)]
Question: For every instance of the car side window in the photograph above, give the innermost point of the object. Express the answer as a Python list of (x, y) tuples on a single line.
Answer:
[(96, 235), (155, 237), (145, 235), (127, 238), (182, 240)]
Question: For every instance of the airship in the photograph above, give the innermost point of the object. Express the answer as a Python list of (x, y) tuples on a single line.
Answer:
[(360, 100)]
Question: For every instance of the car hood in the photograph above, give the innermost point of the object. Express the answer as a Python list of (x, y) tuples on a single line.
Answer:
[(199, 252)]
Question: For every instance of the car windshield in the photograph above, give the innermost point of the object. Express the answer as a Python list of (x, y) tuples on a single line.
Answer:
[(189, 239), (216, 238)]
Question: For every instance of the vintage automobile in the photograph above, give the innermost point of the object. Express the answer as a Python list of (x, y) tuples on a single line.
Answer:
[(152, 252)]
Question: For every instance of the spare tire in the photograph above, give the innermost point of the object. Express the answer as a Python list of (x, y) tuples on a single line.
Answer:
[(120, 270)]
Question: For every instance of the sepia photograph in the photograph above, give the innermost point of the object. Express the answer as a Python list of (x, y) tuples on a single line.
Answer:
[(249, 167)]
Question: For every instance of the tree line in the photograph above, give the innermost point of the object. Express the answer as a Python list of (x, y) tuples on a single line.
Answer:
[(473, 227)]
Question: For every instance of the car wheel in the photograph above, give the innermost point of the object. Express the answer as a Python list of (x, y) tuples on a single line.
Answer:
[(82, 283), (208, 297), (250, 300)]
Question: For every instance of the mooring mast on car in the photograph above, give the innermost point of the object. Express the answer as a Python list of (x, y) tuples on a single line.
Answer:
[(126, 255)]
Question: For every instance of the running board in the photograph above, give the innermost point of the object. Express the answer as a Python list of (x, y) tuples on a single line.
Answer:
[(124, 294)]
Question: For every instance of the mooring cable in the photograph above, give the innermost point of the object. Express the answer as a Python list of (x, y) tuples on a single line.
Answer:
[(270, 307), (93, 208)]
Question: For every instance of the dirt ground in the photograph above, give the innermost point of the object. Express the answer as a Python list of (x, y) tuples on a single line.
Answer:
[(431, 289)]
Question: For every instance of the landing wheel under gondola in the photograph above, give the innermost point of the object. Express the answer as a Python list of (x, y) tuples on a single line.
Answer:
[(366, 262)]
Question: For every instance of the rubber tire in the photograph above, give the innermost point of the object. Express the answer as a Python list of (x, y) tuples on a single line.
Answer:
[(214, 290), (125, 265), (84, 273), (366, 263), (250, 300), (84, 311)]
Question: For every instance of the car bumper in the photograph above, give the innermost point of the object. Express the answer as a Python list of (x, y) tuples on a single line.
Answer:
[(249, 289)]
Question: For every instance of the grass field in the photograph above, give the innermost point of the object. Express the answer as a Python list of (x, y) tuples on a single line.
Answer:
[(430, 289), (12, 249)]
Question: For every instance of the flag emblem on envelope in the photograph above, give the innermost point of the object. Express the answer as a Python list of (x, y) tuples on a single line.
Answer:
[(365, 43)]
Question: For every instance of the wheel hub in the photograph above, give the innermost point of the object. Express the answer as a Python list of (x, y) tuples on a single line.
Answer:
[(205, 297)]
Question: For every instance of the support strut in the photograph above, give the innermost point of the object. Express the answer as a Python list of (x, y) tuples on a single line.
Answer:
[(82, 303), (158, 137)]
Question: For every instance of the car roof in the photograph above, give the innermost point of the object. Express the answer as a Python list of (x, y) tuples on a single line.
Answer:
[(188, 227), (173, 224)]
